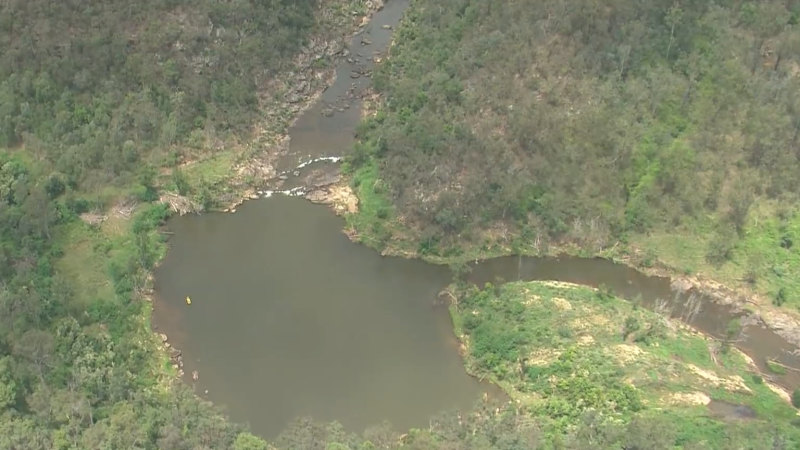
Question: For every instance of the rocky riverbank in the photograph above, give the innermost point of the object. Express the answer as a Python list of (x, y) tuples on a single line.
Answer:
[(283, 98), (782, 322)]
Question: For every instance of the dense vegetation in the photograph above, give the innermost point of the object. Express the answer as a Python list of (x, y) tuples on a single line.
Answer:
[(80, 371), (591, 379), (670, 125), (549, 120), (99, 103), (103, 88)]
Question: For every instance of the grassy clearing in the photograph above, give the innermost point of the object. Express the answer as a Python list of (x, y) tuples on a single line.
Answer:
[(562, 350), (375, 221), (84, 263), (686, 252), (769, 257), (765, 259), (211, 171)]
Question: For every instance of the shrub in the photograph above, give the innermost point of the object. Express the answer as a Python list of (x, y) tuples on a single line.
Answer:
[(631, 326), (720, 248), (780, 297)]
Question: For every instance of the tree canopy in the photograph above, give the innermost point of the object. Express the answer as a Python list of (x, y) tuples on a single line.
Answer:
[(101, 88), (588, 120)]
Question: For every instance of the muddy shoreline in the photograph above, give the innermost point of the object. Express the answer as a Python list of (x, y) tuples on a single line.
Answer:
[(302, 90), (326, 185)]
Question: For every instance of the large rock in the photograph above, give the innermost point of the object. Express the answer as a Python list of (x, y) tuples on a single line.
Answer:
[(340, 197)]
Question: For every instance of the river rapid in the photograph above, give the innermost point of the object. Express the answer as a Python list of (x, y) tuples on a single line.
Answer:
[(289, 318)]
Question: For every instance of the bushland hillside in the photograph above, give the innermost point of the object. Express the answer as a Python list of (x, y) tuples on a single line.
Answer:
[(100, 103), (669, 127)]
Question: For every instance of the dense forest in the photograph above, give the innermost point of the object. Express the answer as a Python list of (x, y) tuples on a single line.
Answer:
[(101, 88), (530, 122), (80, 372), (97, 100), (673, 125)]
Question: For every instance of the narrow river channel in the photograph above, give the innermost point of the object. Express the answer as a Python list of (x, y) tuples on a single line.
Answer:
[(289, 318)]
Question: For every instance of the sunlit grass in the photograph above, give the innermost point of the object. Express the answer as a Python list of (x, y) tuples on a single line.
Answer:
[(763, 259), (375, 218), (84, 262), (210, 171), (572, 338)]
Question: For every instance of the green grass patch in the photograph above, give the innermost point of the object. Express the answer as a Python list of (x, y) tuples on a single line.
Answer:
[(210, 171), (562, 350), (374, 221), (774, 367), (84, 262), (683, 250), (765, 258), (770, 253)]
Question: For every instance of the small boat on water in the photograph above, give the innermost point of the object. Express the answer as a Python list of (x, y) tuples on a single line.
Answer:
[(188, 300)]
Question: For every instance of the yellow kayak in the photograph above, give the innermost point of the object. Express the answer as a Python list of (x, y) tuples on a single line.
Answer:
[(188, 300)]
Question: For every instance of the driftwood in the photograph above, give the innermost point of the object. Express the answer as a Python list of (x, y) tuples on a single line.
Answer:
[(93, 219), (180, 204)]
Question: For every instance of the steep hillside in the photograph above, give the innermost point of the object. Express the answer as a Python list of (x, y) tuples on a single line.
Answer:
[(103, 105), (104, 88), (668, 129)]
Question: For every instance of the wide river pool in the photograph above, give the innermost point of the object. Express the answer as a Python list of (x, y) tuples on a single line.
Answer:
[(289, 318)]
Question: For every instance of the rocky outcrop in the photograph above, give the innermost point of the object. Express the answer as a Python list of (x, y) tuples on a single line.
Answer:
[(339, 196), (175, 355), (283, 97)]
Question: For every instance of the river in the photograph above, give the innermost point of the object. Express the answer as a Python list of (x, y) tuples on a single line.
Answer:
[(289, 318), (696, 309)]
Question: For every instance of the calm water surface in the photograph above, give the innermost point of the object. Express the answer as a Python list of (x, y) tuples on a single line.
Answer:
[(289, 318), (656, 293)]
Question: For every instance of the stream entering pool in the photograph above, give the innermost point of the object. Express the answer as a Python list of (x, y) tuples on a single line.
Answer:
[(289, 318)]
